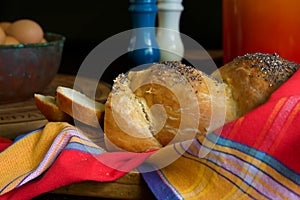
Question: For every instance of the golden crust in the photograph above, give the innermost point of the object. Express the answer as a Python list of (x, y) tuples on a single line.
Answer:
[(254, 77), (179, 103), (120, 138), (179, 87)]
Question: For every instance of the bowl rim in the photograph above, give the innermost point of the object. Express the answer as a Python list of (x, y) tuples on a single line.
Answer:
[(60, 39)]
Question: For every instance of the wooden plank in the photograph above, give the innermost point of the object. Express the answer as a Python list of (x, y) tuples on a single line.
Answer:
[(130, 186)]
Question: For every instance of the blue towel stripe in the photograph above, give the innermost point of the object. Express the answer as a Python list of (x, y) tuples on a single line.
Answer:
[(83, 148), (263, 157)]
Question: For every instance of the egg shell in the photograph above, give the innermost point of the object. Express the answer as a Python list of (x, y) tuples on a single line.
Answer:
[(9, 40), (26, 31), (2, 36), (5, 25)]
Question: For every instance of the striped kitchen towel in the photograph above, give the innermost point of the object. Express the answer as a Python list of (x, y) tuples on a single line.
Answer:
[(54, 156), (255, 157)]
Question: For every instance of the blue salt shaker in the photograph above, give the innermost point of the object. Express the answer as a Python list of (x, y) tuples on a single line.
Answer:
[(143, 47)]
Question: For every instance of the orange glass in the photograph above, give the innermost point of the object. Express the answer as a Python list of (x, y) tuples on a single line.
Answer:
[(266, 26)]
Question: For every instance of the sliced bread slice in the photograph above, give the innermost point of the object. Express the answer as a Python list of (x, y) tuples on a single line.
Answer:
[(79, 106), (48, 107)]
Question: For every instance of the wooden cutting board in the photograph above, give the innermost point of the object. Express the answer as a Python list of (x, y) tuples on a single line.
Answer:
[(23, 117)]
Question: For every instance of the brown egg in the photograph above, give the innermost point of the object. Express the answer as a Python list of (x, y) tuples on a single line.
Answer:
[(26, 31), (5, 25), (43, 40), (9, 40), (2, 36)]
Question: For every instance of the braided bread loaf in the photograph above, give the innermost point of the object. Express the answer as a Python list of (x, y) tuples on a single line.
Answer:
[(170, 102)]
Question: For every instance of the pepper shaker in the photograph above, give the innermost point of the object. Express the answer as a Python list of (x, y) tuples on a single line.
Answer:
[(143, 47), (168, 35)]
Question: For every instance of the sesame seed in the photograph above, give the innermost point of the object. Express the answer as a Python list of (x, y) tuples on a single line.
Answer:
[(274, 68)]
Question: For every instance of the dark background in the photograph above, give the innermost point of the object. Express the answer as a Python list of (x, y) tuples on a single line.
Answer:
[(87, 23)]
